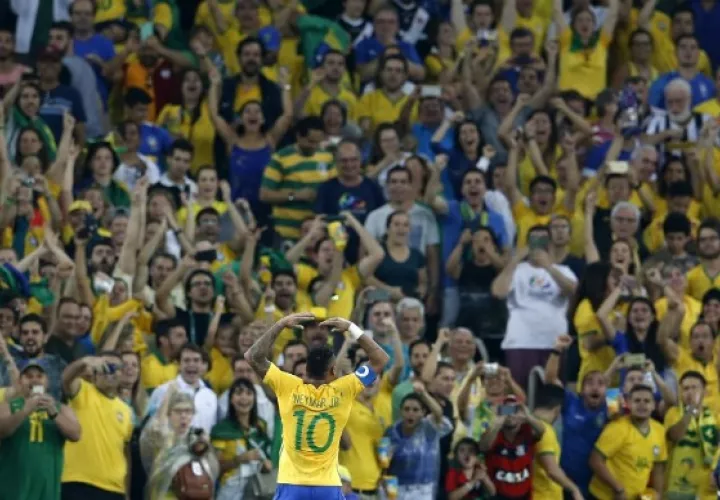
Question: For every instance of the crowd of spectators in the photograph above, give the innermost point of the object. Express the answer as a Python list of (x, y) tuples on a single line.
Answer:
[(518, 199)]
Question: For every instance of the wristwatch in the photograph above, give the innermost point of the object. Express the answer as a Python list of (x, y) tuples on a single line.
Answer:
[(291, 196)]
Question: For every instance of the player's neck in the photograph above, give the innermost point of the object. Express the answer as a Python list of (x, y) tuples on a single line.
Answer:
[(315, 382)]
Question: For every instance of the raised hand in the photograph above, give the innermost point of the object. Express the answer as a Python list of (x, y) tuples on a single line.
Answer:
[(340, 324), (297, 319)]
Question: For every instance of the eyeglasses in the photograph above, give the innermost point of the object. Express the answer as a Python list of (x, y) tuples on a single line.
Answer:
[(626, 220), (197, 284)]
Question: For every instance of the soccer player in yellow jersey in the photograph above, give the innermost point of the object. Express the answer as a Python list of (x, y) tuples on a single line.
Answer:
[(313, 411), (630, 453), (549, 480)]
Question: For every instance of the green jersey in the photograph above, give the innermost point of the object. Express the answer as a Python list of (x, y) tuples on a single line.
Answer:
[(31, 460)]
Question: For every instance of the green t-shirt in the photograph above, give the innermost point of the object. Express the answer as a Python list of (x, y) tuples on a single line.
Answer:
[(31, 460)]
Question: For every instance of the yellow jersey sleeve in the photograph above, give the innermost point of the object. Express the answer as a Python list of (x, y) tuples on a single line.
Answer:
[(280, 382), (612, 438), (672, 417), (548, 444)]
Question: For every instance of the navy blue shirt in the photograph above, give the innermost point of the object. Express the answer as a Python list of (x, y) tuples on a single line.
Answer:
[(581, 429), (370, 49), (54, 105), (102, 47), (333, 198)]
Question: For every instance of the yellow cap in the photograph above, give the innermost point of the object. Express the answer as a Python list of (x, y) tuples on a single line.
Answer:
[(344, 474), (80, 205)]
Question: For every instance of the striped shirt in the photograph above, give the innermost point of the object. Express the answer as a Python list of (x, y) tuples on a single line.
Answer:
[(290, 169), (660, 122)]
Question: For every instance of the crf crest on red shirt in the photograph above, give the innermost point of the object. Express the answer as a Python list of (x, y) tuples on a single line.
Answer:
[(509, 463)]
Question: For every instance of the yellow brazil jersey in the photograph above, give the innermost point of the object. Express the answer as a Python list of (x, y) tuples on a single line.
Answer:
[(318, 97), (542, 486), (661, 208), (302, 304), (525, 218), (711, 201), (378, 107), (710, 107), (108, 10), (155, 371), (203, 16), (365, 431), (583, 70), (343, 300), (98, 459), (699, 281), (313, 419), (195, 208), (654, 235), (630, 456), (685, 362), (538, 25), (198, 130), (436, 64), (220, 376), (527, 172), (693, 309), (687, 473), (587, 325), (245, 94), (383, 401)]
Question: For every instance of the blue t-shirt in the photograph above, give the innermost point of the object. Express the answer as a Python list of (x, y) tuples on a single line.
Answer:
[(423, 136), (154, 141), (706, 27), (581, 427), (333, 198), (370, 49), (102, 47), (703, 88), (596, 157), (452, 226), (54, 105)]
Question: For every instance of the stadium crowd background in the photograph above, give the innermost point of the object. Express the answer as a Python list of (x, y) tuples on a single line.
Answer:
[(518, 199)]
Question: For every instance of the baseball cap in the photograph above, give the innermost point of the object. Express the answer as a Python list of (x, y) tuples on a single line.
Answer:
[(50, 54), (344, 474), (80, 205), (270, 38), (33, 363)]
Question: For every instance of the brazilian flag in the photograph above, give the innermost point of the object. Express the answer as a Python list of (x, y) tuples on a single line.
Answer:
[(318, 36)]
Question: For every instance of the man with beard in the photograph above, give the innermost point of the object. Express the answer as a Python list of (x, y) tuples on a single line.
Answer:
[(161, 365), (328, 87), (32, 339), (10, 70), (384, 104), (584, 415), (189, 381), (82, 78), (706, 275), (629, 457), (57, 97), (102, 255), (97, 466), (250, 84), (65, 338), (200, 296)]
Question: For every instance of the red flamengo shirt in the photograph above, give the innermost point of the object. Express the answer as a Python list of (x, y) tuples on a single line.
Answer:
[(509, 463)]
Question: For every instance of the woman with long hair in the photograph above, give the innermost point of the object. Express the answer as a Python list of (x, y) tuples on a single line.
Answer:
[(250, 145), (191, 119), (676, 169), (386, 153), (206, 196), (403, 271), (598, 282), (241, 442), (100, 164), (131, 390), (22, 111)]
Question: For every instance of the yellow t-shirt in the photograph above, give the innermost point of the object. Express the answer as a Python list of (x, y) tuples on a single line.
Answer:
[(220, 206), (200, 133), (542, 486), (525, 218), (699, 282), (686, 362), (221, 374), (98, 459), (710, 107), (687, 473), (383, 401), (527, 172), (664, 56), (654, 235), (380, 109), (313, 420), (365, 431), (630, 456), (343, 300), (538, 25), (583, 70), (203, 16), (108, 10), (693, 309), (302, 304), (318, 97), (587, 325), (155, 372), (245, 94)]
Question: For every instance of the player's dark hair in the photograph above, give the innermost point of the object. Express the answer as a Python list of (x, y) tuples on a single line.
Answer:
[(695, 375), (319, 362), (549, 397)]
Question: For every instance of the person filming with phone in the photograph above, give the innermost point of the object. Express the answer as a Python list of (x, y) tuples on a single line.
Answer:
[(33, 428), (539, 291), (509, 449)]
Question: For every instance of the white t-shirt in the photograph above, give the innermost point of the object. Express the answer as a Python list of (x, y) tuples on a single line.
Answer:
[(423, 226), (537, 308)]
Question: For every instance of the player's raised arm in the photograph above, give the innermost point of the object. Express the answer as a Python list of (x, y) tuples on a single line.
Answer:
[(261, 351), (378, 358)]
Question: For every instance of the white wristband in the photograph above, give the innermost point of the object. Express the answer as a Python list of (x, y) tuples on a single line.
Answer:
[(355, 331), (269, 309)]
